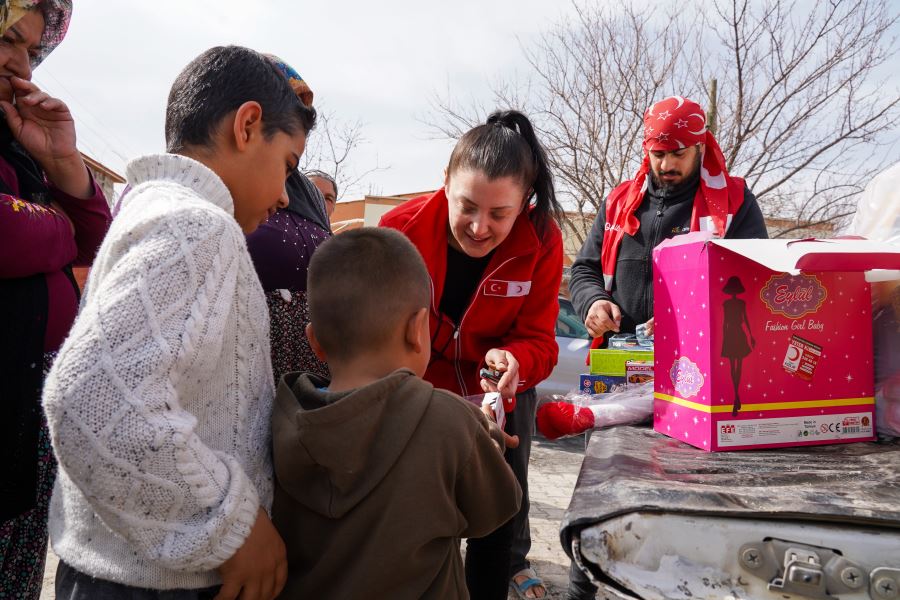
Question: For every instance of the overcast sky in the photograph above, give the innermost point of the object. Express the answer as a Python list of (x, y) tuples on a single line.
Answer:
[(374, 61)]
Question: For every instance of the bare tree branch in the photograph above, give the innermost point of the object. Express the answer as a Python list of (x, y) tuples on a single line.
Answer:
[(330, 147), (804, 111)]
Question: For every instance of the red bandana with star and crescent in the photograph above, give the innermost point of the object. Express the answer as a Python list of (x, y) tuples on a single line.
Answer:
[(671, 124)]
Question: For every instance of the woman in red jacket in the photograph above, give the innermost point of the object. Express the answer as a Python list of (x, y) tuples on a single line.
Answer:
[(494, 252)]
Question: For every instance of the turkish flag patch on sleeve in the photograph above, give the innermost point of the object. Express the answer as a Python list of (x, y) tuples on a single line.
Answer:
[(506, 289)]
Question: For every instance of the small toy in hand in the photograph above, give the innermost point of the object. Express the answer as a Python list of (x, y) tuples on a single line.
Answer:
[(491, 374), (494, 404)]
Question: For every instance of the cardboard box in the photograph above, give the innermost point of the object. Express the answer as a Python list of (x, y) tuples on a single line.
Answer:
[(638, 371), (612, 362), (599, 384), (764, 343)]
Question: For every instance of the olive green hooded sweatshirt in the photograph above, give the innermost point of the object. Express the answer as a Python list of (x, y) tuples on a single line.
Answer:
[(376, 486)]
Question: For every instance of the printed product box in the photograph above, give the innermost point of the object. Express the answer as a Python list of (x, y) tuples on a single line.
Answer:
[(612, 362), (638, 371), (599, 384), (764, 343)]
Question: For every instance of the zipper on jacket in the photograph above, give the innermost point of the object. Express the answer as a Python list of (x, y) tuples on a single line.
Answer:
[(654, 234), (456, 350), (458, 332)]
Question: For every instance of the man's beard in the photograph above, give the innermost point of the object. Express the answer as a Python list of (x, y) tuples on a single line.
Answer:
[(667, 187)]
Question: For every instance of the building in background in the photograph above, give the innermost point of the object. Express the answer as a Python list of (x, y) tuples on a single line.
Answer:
[(790, 228), (105, 177), (368, 211), (354, 214)]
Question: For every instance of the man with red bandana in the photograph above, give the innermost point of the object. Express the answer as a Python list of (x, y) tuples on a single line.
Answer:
[(681, 186)]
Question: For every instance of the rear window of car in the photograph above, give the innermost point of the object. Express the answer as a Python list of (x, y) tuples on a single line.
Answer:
[(568, 324)]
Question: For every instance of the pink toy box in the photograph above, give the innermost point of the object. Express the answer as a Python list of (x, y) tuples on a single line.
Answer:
[(764, 343)]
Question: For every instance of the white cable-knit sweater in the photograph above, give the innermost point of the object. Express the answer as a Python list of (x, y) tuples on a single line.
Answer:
[(160, 400)]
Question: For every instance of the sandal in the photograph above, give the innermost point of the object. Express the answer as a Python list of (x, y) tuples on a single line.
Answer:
[(531, 581)]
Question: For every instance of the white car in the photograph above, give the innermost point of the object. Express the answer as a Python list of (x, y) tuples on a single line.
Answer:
[(574, 342)]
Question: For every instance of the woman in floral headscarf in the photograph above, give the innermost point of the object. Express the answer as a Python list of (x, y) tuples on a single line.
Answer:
[(52, 215), (281, 249)]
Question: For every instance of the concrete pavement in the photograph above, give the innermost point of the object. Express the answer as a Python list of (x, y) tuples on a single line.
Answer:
[(551, 478)]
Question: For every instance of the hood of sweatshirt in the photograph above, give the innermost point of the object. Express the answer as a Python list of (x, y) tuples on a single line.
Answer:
[(332, 449)]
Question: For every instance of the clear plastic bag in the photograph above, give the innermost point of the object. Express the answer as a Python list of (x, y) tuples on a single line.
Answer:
[(886, 336), (877, 218), (579, 412)]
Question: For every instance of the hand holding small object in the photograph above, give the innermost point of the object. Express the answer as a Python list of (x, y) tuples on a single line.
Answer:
[(603, 316), (503, 362)]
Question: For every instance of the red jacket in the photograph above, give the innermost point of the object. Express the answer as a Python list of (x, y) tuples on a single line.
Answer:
[(514, 308)]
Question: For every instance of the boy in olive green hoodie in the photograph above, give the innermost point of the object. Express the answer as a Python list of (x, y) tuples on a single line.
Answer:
[(379, 475)]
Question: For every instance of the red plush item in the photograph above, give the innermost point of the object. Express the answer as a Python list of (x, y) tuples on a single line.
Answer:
[(558, 419)]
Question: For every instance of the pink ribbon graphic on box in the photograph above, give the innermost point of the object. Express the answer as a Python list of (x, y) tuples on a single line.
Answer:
[(686, 377), (793, 296)]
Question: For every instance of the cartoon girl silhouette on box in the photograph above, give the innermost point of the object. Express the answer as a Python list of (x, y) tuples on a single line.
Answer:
[(735, 346)]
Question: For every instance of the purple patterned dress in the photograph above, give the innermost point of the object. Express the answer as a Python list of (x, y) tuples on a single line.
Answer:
[(281, 250), (37, 245)]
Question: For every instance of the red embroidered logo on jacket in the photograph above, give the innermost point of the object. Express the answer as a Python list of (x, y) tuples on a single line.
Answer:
[(506, 289)]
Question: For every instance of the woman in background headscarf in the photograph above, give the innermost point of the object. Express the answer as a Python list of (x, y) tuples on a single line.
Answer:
[(281, 250), (52, 215), (327, 185)]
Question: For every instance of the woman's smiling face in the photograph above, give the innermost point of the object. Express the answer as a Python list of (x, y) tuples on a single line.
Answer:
[(17, 47), (482, 211)]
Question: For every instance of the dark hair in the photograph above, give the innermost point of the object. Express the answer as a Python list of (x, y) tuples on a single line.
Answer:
[(325, 176), (363, 285), (506, 146), (733, 286), (218, 82)]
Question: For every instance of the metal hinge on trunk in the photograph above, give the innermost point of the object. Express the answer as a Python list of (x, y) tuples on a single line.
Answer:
[(807, 571)]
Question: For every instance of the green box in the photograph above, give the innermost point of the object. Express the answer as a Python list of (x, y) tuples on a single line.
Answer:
[(612, 362)]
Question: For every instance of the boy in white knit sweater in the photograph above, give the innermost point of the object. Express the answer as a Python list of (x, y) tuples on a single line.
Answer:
[(160, 401)]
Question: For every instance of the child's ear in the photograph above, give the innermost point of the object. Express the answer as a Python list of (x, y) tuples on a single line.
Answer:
[(247, 122), (414, 330), (314, 343)]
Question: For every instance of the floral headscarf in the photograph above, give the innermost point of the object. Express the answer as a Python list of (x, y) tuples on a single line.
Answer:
[(300, 87), (56, 21), (305, 199)]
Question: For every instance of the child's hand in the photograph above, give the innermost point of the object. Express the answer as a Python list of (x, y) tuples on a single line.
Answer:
[(500, 438), (258, 570), (501, 360)]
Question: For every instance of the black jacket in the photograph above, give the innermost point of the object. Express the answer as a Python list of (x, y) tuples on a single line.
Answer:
[(662, 215)]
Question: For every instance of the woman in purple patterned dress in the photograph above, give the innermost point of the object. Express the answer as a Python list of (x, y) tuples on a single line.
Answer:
[(52, 216)]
